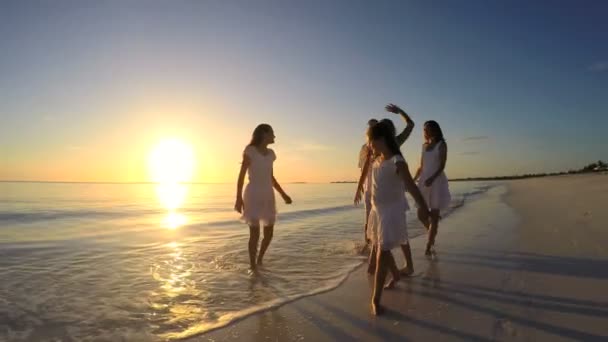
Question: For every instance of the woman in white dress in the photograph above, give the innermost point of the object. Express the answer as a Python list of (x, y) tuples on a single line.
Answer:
[(387, 227), (432, 181), (257, 203), (365, 161)]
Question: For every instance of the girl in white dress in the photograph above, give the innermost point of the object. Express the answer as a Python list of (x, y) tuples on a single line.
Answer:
[(387, 228), (363, 188), (257, 204), (432, 181)]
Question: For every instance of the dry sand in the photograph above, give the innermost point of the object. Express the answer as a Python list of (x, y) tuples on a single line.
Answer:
[(526, 262)]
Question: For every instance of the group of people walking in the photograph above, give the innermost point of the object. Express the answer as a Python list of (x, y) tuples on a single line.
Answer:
[(385, 177)]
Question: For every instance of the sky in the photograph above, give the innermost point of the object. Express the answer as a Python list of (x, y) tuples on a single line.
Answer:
[(88, 88)]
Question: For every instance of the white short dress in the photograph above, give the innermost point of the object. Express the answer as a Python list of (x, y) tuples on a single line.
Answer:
[(387, 226), (437, 196), (258, 196)]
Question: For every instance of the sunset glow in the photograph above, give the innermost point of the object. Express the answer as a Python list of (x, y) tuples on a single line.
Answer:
[(171, 161)]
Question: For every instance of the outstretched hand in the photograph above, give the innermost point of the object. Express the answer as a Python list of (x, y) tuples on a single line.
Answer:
[(287, 199), (393, 108)]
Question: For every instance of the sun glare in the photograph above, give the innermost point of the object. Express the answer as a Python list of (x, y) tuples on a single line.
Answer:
[(171, 161), (174, 220), (171, 195)]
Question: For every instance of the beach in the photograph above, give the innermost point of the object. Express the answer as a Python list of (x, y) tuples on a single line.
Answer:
[(157, 262), (516, 260), (220, 171), (527, 261)]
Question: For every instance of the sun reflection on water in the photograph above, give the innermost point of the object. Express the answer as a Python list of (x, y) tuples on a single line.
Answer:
[(176, 302), (172, 196), (174, 220), (171, 163)]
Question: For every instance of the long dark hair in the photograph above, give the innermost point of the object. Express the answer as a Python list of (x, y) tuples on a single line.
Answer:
[(258, 134), (386, 131), (389, 123), (435, 130)]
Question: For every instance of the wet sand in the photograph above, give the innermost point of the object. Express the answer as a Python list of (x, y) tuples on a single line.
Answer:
[(528, 261)]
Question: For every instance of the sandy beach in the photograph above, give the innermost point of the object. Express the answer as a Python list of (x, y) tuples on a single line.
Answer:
[(525, 262)]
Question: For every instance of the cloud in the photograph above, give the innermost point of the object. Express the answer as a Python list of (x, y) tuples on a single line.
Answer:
[(476, 138), (599, 66), (469, 153)]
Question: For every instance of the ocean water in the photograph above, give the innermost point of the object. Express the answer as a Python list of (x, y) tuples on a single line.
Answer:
[(157, 262)]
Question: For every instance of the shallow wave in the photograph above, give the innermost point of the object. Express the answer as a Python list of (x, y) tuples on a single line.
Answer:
[(461, 200), (331, 282), (234, 317), (48, 215)]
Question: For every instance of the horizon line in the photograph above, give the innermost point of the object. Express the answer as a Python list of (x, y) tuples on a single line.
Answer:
[(134, 182)]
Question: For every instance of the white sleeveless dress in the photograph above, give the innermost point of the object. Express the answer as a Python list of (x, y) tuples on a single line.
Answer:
[(258, 196), (437, 196), (387, 227)]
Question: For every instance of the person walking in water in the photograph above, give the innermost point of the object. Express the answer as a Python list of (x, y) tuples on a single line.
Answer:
[(432, 181), (257, 202), (387, 226)]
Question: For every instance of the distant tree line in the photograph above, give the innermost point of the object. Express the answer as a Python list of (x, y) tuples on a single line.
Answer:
[(598, 166)]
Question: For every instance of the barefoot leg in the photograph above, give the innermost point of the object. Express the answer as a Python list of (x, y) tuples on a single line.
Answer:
[(409, 268), (423, 219), (268, 232), (254, 237), (380, 276), (434, 225), (371, 268), (392, 266)]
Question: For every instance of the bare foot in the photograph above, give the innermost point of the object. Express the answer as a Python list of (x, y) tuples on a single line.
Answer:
[(391, 284), (406, 271), (428, 249), (377, 309)]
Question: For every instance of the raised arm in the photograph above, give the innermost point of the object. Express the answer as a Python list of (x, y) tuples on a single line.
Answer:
[(238, 206), (443, 158), (410, 186), (409, 123)]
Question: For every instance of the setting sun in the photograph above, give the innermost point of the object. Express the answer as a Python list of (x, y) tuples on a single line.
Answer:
[(171, 161)]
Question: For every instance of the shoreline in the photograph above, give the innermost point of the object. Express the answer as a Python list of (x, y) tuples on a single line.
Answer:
[(448, 300), (416, 231), (356, 285)]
